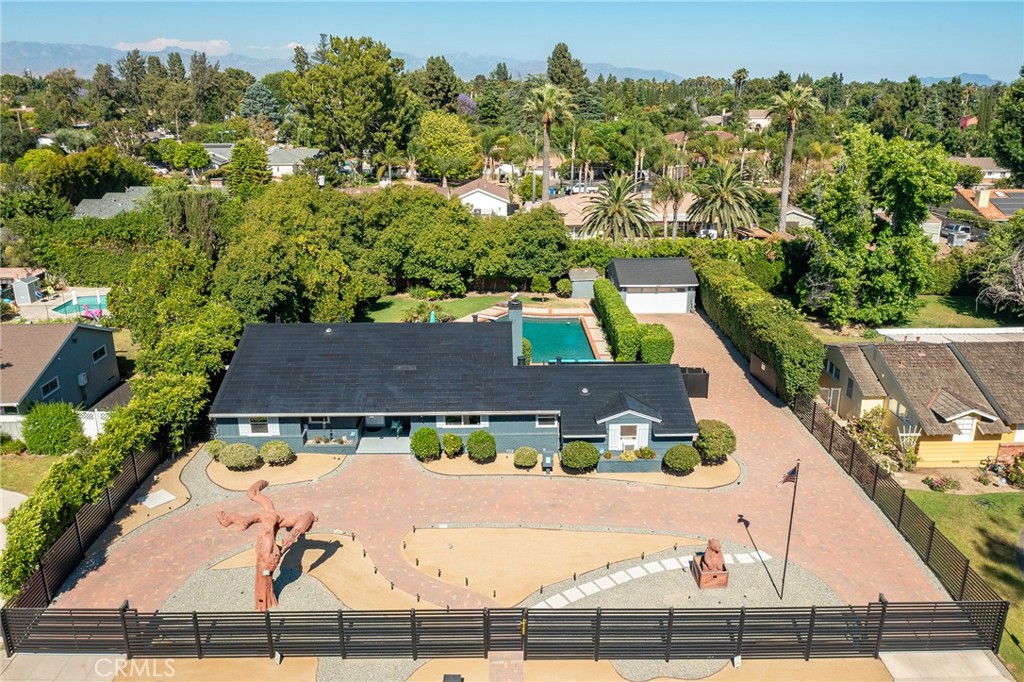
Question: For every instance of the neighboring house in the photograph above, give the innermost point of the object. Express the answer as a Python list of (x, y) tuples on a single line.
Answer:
[(757, 120), (958, 403), (9, 276), (364, 388), (284, 161), (112, 203), (797, 217), (220, 153), (72, 363), (571, 207), (991, 171), (655, 285), (932, 225), (997, 205), (482, 197)]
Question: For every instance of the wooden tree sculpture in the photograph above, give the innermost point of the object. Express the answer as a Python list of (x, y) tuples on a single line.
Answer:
[(268, 553)]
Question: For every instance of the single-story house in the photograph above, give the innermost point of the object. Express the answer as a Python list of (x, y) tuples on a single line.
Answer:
[(483, 197), (797, 217), (655, 285), (284, 161), (757, 119), (997, 205), (9, 276), (957, 403), (364, 388), (73, 363), (112, 203), (219, 152), (991, 171)]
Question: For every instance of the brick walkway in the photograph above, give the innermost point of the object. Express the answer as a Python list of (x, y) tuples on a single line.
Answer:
[(838, 534)]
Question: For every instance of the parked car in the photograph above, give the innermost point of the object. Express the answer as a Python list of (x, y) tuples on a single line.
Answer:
[(582, 187), (956, 230)]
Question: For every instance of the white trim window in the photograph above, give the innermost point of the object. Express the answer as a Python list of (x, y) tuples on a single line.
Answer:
[(318, 422), (99, 354), (831, 369), (50, 387), (259, 427), (966, 426), (547, 421), (462, 421)]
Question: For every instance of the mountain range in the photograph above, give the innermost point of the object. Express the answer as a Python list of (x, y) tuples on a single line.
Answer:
[(981, 79)]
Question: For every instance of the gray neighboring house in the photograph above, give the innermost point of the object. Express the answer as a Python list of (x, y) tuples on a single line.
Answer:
[(72, 363), (655, 285), (220, 153), (287, 160), (364, 388), (112, 203)]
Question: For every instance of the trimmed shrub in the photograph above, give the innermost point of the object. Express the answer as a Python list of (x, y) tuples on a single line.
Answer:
[(452, 445), (481, 447), (420, 292), (757, 322), (563, 288), (52, 429), (540, 284), (628, 456), (715, 442), (214, 447), (528, 351), (681, 459), (425, 444), (11, 446), (656, 344), (645, 453), (525, 458), (277, 453), (579, 455), (620, 326), (240, 457)]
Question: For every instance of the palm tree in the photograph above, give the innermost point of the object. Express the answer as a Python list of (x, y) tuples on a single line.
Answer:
[(589, 152), (739, 77), (793, 104), (671, 191), (548, 105), (388, 158), (618, 211), (725, 199)]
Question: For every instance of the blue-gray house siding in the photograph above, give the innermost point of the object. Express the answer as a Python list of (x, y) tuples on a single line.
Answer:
[(509, 431), (660, 444)]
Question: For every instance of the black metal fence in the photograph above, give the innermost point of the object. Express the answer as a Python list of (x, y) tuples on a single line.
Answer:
[(654, 634), (949, 564), (60, 560)]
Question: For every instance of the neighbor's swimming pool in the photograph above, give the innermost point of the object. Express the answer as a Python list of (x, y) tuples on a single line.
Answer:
[(554, 338), (70, 308)]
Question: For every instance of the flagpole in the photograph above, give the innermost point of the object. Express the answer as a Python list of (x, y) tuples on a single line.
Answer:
[(789, 535)]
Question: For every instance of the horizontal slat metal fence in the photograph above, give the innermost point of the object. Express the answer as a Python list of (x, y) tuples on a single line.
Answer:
[(597, 634), (64, 555)]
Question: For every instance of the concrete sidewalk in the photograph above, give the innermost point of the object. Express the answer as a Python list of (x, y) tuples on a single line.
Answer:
[(964, 666)]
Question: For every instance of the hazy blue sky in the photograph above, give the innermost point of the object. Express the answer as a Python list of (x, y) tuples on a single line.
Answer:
[(863, 40)]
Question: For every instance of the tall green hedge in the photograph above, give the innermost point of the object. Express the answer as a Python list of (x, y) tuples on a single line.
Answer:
[(656, 344), (757, 322), (620, 326)]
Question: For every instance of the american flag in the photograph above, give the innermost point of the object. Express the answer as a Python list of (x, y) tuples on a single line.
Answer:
[(790, 477)]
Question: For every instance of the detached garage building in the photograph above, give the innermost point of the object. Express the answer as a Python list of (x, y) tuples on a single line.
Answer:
[(655, 285)]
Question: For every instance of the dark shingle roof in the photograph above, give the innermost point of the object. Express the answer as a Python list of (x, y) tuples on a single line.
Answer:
[(624, 402), (416, 369), (999, 367), (924, 371), (861, 370), (118, 397), (652, 272)]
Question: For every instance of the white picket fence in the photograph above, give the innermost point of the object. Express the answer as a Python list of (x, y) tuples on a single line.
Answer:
[(92, 423)]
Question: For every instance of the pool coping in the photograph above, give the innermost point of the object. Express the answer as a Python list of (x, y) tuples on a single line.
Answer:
[(589, 331)]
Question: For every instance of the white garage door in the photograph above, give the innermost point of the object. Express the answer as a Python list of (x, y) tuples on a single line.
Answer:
[(676, 302)]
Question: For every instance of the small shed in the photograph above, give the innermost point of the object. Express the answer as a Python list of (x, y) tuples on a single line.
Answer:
[(655, 285), (26, 290), (583, 282)]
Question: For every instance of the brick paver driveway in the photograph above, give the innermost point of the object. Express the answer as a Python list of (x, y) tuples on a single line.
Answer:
[(838, 534)]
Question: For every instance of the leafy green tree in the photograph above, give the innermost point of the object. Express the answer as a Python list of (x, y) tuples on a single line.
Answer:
[(968, 176), (14, 141), (206, 88), (388, 158), (52, 429), (541, 284), (791, 105), (1008, 130), (725, 199), (197, 348), (447, 145), (618, 211), (438, 85), (191, 156), (259, 101), (90, 174), (132, 69), (174, 401), (548, 105), (247, 174), (536, 243), (1001, 277), (566, 72)]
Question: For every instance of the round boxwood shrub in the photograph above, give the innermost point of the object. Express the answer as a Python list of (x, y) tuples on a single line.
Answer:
[(425, 444), (579, 455), (481, 447), (214, 447), (452, 445), (681, 459), (240, 457), (563, 288), (645, 453), (52, 429), (277, 453), (716, 441), (525, 458)]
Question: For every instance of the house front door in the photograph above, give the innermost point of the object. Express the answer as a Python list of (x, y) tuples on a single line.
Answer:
[(628, 436)]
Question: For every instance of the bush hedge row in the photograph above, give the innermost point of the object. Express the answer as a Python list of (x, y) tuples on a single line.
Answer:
[(620, 326), (52, 429), (656, 344), (240, 457), (757, 322)]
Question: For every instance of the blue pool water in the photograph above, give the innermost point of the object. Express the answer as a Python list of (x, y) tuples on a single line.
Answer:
[(557, 338), (69, 308)]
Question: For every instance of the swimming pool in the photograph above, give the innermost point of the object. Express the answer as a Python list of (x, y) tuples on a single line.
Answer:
[(71, 308), (554, 338)]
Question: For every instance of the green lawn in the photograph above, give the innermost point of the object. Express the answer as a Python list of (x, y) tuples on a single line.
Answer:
[(391, 308), (958, 311), (986, 528), (22, 473), (127, 352)]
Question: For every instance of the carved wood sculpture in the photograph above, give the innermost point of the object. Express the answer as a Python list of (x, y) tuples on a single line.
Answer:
[(268, 553), (709, 570)]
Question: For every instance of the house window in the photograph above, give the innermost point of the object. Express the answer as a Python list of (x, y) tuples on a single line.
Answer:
[(319, 422), (831, 369), (9, 409), (259, 426), (547, 421), (849, 388), (50, 387), (99, 354), (966, 426), (455, 421)]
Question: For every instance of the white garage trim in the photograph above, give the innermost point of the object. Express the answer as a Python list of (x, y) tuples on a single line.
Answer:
[(668, 302)]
